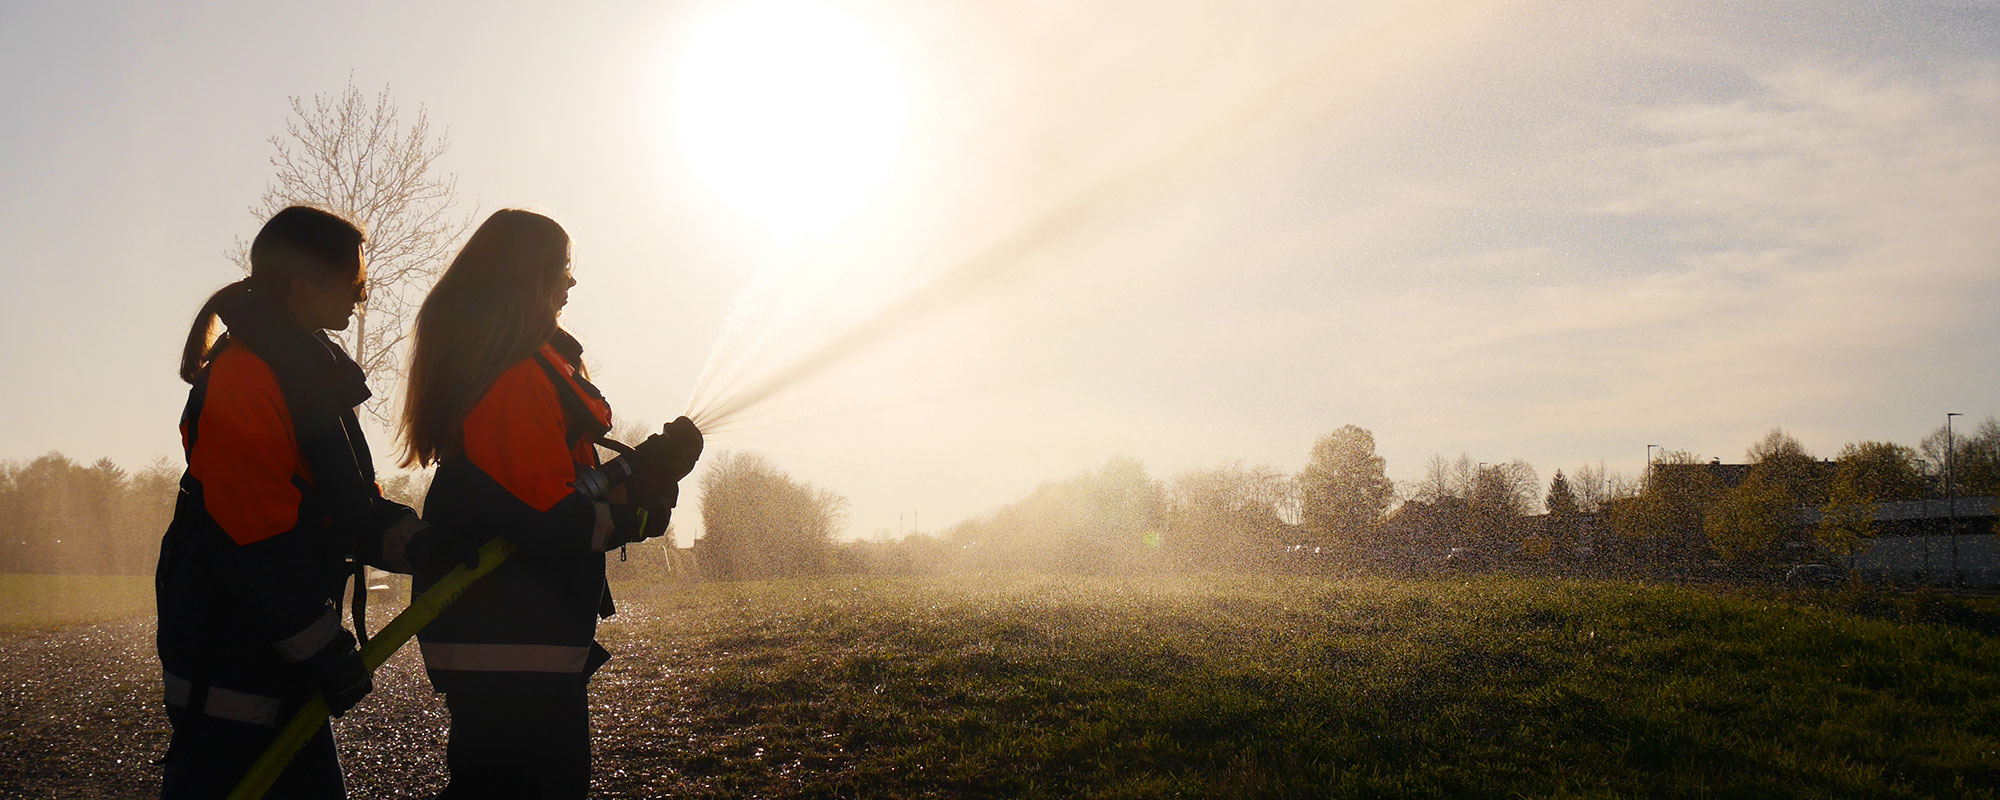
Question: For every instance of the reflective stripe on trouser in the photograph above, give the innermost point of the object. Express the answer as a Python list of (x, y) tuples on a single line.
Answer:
[(255, 709), (463, 657), (310, 639)]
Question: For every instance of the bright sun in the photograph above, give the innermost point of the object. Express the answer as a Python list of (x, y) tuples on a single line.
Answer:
[(789, 110)]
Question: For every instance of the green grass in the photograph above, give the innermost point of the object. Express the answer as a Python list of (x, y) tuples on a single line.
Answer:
[(43, 602), (1269, 687)]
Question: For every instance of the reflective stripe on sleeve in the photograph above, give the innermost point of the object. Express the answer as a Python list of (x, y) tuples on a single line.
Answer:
[(600, 533), (461, 657), (302, 645), (230, 704), (396, 543)]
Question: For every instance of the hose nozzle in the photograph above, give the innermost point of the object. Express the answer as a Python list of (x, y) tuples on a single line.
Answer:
[(674, 450)]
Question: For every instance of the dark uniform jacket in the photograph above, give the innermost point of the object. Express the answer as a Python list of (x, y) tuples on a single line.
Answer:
[(279, 493), (530, 626)]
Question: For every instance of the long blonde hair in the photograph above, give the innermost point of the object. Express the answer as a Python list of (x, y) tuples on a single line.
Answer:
[(489, 310)]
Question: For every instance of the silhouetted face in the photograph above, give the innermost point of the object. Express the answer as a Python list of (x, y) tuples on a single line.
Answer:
[(559, 296), (327, 302)]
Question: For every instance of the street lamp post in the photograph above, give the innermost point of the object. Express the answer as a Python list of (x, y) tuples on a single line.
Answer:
[(1950, 493), (1652, 547)]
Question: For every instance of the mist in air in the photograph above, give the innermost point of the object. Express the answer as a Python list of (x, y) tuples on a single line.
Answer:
[(1103, 399)]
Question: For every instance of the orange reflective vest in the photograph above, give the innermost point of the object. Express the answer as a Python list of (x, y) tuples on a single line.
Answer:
[(252, 567), (531, 624)]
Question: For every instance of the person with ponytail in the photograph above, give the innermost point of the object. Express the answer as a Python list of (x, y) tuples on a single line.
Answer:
[(278, 501), (498, 399)]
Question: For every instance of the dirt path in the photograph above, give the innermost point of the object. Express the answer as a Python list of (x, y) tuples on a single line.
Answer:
[(80, 716)]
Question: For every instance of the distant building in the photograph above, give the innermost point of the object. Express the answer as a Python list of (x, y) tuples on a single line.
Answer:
[(1913, 541), (1730, 476)]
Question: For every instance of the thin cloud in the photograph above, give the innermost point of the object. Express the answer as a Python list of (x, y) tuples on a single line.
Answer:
[(1832, 227)]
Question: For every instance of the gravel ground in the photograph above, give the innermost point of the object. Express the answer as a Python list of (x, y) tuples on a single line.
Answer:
[(80, 716)]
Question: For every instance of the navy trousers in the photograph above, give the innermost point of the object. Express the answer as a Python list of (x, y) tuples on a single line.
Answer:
[(518, 745), (209, 755)]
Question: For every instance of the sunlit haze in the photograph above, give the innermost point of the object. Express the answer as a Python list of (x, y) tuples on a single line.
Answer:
[(788, 110), (930, 255)]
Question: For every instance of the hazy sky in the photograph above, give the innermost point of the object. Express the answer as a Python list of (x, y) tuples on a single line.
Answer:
[(1187, 234)]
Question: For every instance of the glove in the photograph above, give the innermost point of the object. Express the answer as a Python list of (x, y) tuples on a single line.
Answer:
[(646, 490), (625, 527), (436, 549), (337, 673), (671, 452)]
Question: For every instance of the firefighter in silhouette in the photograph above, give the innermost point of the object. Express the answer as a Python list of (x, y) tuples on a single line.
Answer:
[(277, 508), (499, 400)]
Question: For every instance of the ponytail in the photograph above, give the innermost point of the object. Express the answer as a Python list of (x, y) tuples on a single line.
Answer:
[(194, 355), (295, 242)]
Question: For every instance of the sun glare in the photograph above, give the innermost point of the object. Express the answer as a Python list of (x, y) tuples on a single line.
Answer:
[(789, 110)]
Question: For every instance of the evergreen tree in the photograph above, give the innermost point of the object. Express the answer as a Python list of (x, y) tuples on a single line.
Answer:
[(1563, 514)]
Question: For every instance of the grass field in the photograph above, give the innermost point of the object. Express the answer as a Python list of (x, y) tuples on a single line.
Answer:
[(1180, 686), (42, 602), (1269, 687)]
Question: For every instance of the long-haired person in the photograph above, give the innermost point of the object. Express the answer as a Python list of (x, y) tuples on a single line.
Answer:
[(498, 399), (278, 496)]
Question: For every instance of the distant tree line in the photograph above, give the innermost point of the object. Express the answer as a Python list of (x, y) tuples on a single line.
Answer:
[(1118, 518), (1340, 511), (62, 516), (1685, 514)]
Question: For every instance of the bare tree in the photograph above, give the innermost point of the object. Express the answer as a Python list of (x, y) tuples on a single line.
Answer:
[(1974, 458), (1592, 487), (354, 157), (1511, 487), (1445, 478)]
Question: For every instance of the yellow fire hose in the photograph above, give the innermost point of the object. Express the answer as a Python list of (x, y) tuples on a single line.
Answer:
[(380, 647), (423, 609)]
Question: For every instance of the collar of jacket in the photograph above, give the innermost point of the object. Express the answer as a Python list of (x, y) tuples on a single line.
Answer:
[(320, 381), (321, 387), (586, 413), (568, 347)]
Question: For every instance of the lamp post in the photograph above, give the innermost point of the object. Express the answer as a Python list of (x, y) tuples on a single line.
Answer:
[(1950, 493), (1652, 547)]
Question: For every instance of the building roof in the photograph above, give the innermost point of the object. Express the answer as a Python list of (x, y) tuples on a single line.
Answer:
[(1730, 476), (1936, 508)]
